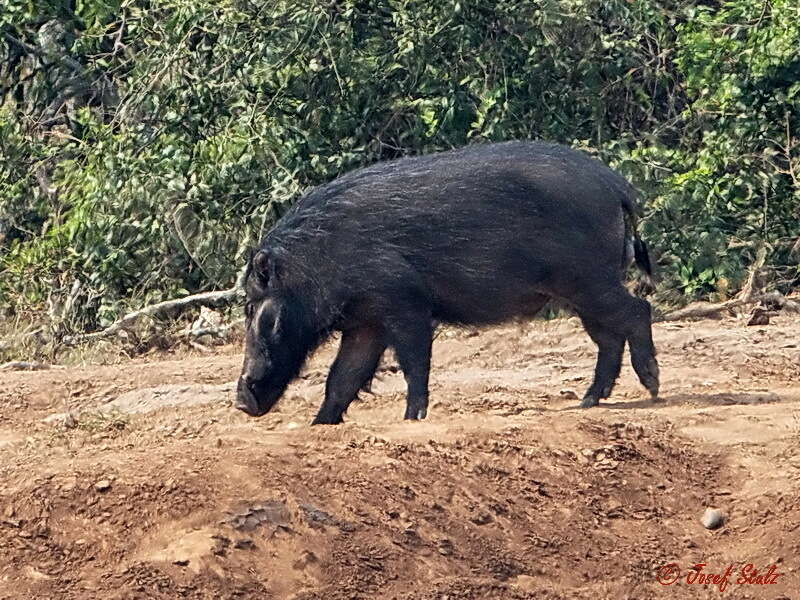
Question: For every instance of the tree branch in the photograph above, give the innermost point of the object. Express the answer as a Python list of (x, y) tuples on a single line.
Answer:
[(217, 298), (747, 295), (68, 62)]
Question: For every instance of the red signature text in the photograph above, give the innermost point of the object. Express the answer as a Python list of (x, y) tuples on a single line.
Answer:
[(698, 574)]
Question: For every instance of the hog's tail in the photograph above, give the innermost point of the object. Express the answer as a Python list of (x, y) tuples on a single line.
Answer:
[(640, 254)]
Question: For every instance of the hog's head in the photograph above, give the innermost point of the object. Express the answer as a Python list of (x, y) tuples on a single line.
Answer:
[(277, 341)]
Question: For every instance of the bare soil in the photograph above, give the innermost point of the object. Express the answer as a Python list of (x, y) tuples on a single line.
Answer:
[(153, 487)]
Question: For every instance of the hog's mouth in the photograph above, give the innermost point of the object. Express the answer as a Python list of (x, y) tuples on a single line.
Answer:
[(254, 400)]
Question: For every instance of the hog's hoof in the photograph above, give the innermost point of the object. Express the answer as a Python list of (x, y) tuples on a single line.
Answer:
[(590, 401), (649, 378), (416, 414), (653, 388), (327, 420)]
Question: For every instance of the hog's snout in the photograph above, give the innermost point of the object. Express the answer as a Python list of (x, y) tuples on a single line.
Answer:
[(246, 399)]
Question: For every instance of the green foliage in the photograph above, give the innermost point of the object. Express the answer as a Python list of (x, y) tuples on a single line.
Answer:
[(729, 182), (146, 145)]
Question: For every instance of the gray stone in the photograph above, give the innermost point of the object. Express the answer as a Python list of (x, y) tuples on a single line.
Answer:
[(712, 518)]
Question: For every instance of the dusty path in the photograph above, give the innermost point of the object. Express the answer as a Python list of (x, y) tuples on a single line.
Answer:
[(160, 490)]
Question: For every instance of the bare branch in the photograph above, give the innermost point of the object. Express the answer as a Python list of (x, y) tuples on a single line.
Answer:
[(23, 365), (747, 295), (68, 62), (167, 307)]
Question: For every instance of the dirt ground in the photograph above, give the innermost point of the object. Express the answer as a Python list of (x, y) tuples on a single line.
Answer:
[(154, 487)]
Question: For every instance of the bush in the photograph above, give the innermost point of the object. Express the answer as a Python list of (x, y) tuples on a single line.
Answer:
[(148, 145)]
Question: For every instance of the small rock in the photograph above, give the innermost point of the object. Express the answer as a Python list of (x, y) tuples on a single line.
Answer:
[(759, 316), (102, 485), (221, 544), (306, 558), (445, 547), (65, 420), (712, 518), (481, 519), (568, 394), (316, 516), (54, 419)]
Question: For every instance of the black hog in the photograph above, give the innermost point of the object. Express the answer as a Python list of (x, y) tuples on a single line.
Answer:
[(474, 236)]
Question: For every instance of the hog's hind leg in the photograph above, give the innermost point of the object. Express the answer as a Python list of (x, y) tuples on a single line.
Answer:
[(610, 346), (614, 314), (640, 343)]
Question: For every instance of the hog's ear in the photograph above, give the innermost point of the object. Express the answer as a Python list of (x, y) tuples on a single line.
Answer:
[(267, 267), (260, 262)]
